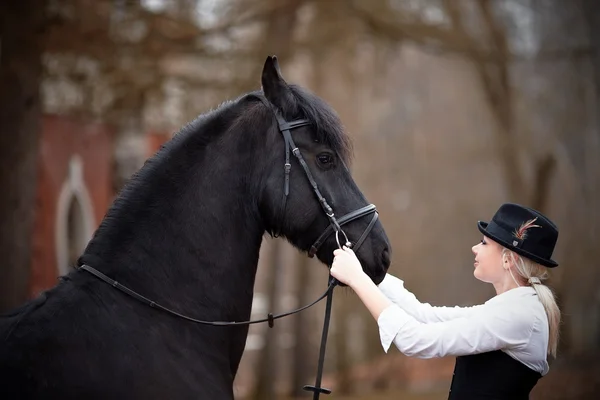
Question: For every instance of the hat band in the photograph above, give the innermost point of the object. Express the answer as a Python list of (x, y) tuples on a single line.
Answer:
[(512, 242)]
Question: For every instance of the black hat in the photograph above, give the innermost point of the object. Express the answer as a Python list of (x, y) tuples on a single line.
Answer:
[(523, 230)]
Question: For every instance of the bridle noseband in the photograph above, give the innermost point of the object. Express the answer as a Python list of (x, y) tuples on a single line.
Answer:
[(335, 226)]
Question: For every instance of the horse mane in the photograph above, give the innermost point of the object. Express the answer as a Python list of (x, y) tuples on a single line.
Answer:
[(156, 174), (304, 104)]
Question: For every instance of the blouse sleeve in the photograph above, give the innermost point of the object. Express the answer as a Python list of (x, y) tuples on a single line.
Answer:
[(393, 288), (494, 328)]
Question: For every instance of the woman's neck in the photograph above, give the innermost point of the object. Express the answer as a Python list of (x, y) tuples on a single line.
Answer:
[(508, 283)]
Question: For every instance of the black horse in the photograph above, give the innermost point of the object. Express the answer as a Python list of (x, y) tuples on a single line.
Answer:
[(186, 232)]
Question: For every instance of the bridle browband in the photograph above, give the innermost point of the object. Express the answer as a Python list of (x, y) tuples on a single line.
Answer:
[(335, 225)]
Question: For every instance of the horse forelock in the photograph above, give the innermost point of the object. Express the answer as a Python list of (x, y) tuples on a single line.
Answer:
[(329, 128)]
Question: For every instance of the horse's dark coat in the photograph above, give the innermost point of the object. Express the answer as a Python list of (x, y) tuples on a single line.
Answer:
[(186, 232)]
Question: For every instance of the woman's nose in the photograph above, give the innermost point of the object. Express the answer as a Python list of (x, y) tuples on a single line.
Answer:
[(474, 249)]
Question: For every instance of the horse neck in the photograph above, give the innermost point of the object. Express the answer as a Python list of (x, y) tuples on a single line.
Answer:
[(192, 234)]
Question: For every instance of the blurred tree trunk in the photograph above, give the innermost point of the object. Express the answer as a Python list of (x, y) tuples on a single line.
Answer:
[(579, 286), (343, 360), (277, 38), (493, 73), (591, 10), (21, 29), (267, 362), (301, 363), (545, 169)]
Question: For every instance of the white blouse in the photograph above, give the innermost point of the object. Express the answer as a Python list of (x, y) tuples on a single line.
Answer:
[(514, 322)]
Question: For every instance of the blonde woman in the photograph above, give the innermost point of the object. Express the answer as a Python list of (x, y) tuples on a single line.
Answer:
[(501, 345)]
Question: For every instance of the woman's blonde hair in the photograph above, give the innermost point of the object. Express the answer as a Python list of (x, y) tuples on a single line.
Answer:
[(527, 269)]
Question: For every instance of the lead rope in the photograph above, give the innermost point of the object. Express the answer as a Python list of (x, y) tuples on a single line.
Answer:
[(317, 389)]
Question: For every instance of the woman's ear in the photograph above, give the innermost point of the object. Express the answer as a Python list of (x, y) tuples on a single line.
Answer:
[(506, 263)]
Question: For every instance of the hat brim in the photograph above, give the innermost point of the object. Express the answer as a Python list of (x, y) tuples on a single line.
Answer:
[(545, 262)]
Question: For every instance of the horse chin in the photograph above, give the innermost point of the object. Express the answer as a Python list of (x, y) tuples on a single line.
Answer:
[(379, 273), (386, 261), (377, 279)]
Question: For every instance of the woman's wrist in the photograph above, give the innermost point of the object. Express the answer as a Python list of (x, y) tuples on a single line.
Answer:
[(371, 296), (360, 280)]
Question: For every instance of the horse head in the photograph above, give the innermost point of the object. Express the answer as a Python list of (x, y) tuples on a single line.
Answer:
[(310, 191)]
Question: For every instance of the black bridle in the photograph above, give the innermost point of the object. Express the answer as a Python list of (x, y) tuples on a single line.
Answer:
[(335, 226), (334, 223)]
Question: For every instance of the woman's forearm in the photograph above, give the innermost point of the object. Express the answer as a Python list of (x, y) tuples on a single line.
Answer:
[(371, 296)]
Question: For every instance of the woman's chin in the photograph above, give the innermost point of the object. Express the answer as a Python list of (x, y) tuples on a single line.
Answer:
[(480, 277), (477, 276)]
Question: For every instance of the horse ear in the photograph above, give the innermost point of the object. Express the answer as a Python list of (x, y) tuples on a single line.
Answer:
[(274, 86)]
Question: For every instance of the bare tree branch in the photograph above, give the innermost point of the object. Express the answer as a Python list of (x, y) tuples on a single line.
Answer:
[(440, 40)]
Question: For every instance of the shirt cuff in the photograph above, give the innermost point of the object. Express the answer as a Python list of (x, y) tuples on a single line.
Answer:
[(390, 321)]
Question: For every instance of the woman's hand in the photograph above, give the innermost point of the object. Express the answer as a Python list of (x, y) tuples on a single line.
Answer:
[(346, 268)]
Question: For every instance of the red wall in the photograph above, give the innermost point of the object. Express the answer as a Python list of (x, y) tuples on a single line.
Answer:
[(61, 138)]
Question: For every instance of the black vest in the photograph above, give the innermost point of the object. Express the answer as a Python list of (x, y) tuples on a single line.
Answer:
[(491, 376)]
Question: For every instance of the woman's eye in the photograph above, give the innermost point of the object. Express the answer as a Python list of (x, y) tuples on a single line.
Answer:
[(483, 241), (325, 159)]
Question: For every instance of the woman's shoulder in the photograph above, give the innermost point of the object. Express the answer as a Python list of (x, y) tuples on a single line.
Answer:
[(524, 295), (518, 306)]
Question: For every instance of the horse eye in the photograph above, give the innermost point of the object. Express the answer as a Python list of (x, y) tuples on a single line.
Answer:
[(325, 158)]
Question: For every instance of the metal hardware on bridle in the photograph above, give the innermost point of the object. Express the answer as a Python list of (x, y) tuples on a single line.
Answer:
[(337, 228), (337, 239), (335, 225)]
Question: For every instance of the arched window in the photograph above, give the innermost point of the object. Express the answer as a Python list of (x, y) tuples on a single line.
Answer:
[(76, 236), (74, 218)]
